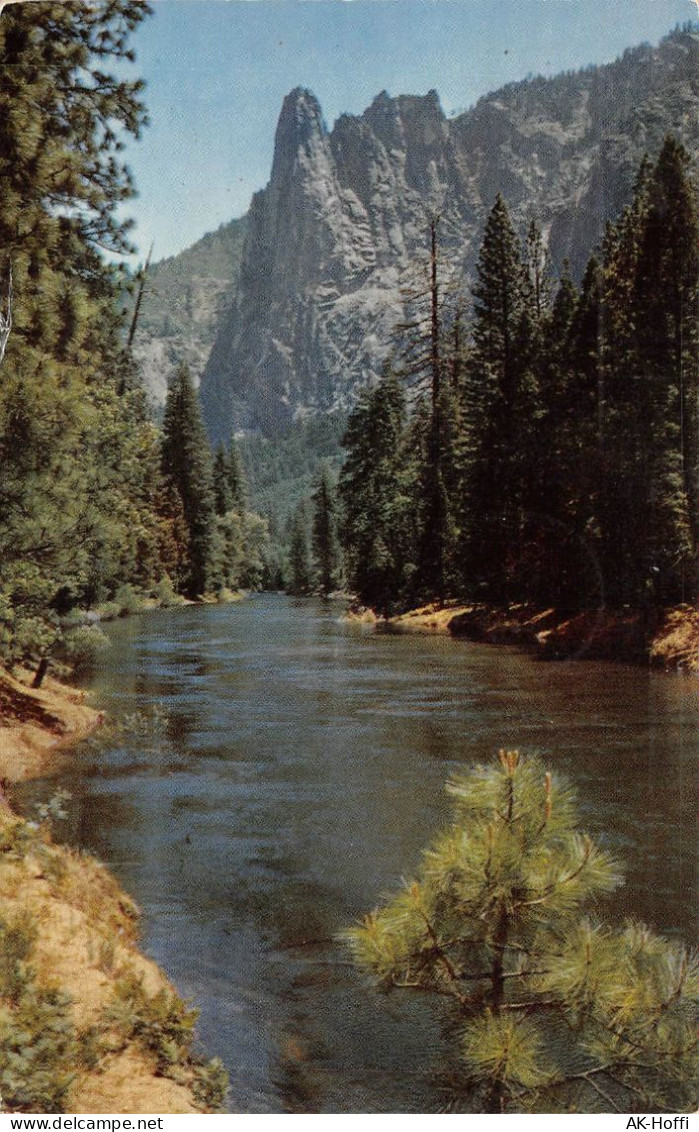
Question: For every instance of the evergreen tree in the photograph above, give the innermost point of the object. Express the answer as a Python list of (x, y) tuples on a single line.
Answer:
[(572, 452), (378, 532), (326, 548), (648, 500), (426, 362), (237, 485), (222, 491), (186, 462), (501, 408), (666, 295), (78, 467), (173, 534), (538, 274), (241, 550), (61, 177), (553, 1011), (301, 574)]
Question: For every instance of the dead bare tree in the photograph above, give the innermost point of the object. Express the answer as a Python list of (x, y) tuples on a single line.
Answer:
[(6, 317), (139, 299)]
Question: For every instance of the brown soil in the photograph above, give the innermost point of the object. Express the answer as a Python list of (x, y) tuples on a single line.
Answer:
[(35, 724), (87, 924), (670, 641), (675, 643), (86, 942)]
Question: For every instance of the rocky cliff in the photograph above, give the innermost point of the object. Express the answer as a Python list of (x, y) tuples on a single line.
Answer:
[(343, 220), (184, 299)]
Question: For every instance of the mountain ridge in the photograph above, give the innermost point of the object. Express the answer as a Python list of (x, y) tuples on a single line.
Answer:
[(183, 299), (333, 236), (309, 314)]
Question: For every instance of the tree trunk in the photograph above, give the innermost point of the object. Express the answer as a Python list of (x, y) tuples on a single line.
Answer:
[(40, 672)]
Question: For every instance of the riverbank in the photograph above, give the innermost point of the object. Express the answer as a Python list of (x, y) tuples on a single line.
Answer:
[(90, 1025), (35, 724), (670, 641)]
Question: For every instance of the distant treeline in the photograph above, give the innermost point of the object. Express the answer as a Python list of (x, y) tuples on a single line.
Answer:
[(543, 446)]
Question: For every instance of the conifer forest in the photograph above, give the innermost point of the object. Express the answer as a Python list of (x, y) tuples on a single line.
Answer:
[(520, 449)]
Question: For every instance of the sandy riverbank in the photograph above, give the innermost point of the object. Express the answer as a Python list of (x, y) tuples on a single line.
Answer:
[(36, 724), (671, 641), (93, 1025)]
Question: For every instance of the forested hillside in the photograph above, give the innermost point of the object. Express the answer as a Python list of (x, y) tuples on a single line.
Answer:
[(533, 438), (93, 511), (550, 455)]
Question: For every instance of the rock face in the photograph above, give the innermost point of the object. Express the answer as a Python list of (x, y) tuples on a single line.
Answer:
[(343, 221), (184, 298)]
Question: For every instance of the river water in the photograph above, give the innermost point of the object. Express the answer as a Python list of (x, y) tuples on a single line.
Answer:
[(280, 770)]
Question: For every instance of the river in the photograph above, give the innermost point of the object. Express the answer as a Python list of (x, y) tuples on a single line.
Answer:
[(280, 769)]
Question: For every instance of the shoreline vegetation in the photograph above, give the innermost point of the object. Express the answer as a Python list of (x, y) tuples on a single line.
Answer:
[(91, 1023)]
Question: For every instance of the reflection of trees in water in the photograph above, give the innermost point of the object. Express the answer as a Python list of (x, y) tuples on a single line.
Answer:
[(97, 815), (182, 724), (292, 1077), (342, 1048)]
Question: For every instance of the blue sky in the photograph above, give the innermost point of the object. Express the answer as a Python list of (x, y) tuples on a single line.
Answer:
[(217, 72)]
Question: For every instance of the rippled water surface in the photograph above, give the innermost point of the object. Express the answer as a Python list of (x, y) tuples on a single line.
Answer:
[(281, 770)]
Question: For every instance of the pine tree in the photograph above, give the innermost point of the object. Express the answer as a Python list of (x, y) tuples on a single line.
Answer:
[(666, 296), (222, 491), (186, 462), (537, 264), (501, 408), (426, 364), (553, 1011), (301, 574), (61, 175), (378, 525), (78, 474), (648, 501), (572, 456), (326, 548), (237, 485)]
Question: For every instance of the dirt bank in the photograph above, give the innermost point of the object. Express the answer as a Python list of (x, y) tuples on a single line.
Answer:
[(35, 724), (670, 640), (87, 1023)]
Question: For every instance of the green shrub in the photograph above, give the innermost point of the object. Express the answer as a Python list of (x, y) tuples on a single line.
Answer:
[(109, 611), (37, 1037), (74, 619), (17, 838), (90, 1047), (82, 647), (128, 600), (162, 1023), (210, 1084), (37, 1051), (164, 593), (17, 939)]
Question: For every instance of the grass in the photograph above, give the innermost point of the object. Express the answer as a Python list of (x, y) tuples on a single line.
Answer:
[(38, 1042), (164, 1025), (87, 1023), (676, 642)]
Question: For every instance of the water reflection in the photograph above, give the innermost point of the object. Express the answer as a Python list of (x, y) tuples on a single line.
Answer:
[(288, 772)]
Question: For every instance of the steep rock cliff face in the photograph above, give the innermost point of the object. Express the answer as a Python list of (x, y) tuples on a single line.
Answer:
[(184, 298), (339, 228)]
